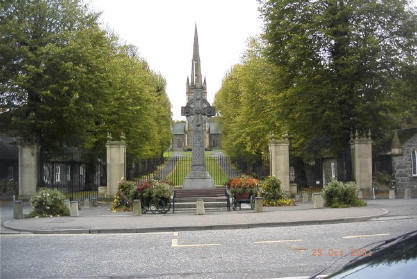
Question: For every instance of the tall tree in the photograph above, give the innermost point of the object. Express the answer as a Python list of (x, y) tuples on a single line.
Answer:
[(53, 73), (65, 81), (246, 103), (343, 58)]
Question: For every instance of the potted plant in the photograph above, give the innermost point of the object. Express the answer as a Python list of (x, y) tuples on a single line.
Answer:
[(242, 190)]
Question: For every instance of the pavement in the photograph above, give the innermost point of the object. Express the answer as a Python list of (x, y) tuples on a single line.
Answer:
[(101, 220)]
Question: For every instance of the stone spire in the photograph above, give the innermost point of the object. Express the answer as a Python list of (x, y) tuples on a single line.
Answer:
[(195, 64), (396, 148)]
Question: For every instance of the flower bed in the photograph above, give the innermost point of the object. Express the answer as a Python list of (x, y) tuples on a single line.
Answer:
[(152, 193), (242, 186)]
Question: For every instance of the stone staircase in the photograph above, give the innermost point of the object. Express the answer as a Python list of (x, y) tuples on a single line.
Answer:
[(215, 199)]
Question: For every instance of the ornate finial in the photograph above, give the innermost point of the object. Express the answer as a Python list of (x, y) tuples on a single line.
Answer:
[(122, 136), (369, 134), (109, 138), (356, 134)]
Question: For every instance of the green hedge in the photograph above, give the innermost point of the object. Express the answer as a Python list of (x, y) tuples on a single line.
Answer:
[(339, 194)]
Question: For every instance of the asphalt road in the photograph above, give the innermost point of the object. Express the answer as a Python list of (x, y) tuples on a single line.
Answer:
[(248, 253)]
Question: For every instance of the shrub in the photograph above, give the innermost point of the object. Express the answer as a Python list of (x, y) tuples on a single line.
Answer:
[(123, 198), (271, 189), (49, 202), (383, 178), (339, 194)]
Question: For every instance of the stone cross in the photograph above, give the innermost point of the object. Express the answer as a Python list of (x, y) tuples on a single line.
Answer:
[(197, 109)]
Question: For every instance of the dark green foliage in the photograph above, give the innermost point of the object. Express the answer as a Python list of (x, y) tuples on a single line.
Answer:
[(48, 202), (271, 189), (248, 107), (153, 191), (325, 68), (8, 188), (339, 194), (123, 198), (161, 193), (66, 82)]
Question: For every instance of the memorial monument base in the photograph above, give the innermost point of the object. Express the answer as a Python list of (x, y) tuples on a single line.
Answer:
[(198, 180)]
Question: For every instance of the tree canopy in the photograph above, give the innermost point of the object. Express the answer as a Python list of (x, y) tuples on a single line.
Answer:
[(334, 66), (66, 81)]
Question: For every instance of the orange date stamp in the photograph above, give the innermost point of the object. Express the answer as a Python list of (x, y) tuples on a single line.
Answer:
[(334, 252)]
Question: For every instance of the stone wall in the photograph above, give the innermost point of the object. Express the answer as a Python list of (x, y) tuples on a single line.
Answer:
[(401, 165)]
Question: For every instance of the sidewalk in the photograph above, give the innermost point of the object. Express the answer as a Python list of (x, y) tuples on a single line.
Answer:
[(101, 220)]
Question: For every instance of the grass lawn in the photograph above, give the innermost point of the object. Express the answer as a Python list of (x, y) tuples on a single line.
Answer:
[(213, 168), (183, 167), (179, 172)]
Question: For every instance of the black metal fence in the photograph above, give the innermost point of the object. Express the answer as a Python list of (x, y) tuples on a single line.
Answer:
[(176, 168), (72, 174)]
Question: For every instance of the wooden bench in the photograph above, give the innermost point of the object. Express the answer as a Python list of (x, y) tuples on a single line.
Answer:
[(207, 195)]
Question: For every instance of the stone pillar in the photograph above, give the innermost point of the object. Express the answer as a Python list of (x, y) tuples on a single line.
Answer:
[(28, 170), (115, 163), (200, 210), (17, 210), (259, 204), (318, 200), (137, 207), (361, 151), (74, 209), (280, 161), (392, 194)]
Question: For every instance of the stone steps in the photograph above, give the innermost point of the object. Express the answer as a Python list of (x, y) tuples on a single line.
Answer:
[(205, 199), (206, 205)]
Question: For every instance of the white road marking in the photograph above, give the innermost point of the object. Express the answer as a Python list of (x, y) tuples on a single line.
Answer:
[(175, 244), (278, 241), (365, 235), (175, 233)]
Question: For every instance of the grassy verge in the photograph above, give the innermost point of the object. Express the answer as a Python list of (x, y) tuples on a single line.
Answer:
[(213, 168), (180, 171), (183, 167)]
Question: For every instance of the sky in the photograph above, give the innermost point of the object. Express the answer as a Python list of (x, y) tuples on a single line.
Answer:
[(163, 32)]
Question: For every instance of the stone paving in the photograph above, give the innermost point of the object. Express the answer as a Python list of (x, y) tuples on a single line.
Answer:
[(101, 220)]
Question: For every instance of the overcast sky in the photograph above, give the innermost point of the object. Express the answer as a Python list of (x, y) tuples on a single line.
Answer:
[(163, 32)]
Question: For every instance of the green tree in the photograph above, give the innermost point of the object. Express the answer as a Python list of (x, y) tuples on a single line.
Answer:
[(139, 106), (247, 106), (343, 59), (66, 82), (53, 73)]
